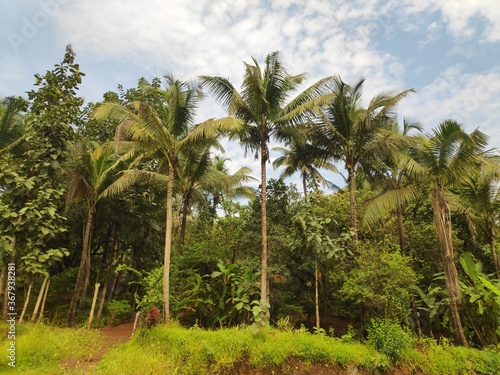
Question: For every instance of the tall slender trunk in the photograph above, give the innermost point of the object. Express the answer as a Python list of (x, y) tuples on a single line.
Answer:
[(264, 300), (39, 299), (26, 303), (494, 256), (107, 278), (168, 246), (351, 175), (42, 308), (443, 228), (185, 209), (304, 185), (316, 289), (401, 227), (82, 269)]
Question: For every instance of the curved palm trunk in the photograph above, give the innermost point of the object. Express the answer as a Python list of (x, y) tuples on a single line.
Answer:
[(443, 228), (351, 174), (84, 263), (304, 185), (168, 246), (264, 301), (494, 256), (185, 209), (401, 228)]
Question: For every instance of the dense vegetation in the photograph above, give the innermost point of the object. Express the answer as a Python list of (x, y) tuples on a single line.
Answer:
[(133, 194)]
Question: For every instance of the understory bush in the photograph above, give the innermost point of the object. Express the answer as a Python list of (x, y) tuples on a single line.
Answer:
[(118, 311), (388, 337)]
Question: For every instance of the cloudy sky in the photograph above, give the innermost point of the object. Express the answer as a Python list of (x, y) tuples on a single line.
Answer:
[(447, 50)]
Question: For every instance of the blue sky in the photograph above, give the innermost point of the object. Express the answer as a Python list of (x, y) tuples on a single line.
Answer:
[(447, 50)]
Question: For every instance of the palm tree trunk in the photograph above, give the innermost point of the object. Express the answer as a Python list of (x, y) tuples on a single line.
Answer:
[(316, 288), (494, 256), (351, 174), (185, 208), (86, 280), (401, 227), (168, 246), (264, 301), (81, 270), (304, 185), (443, 228)]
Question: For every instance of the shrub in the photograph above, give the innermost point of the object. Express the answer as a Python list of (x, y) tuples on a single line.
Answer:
[(388, 337), (118, 312), (150, 317)]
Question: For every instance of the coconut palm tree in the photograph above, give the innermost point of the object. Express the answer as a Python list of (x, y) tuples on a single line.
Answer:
[(445, 159), (388, 172), (159, 131), (350, 133), (92, 176), (302, 156), (482, 194), (262, 107), (234, 189), (11, 109), (197, 172)]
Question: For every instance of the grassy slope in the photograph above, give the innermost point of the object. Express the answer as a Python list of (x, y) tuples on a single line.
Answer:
[(175, 350), (48, 350)]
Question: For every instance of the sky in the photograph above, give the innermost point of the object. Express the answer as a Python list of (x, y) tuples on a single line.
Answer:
[(447, 50)]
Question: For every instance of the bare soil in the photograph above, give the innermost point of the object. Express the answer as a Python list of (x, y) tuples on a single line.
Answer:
[(111, 337)]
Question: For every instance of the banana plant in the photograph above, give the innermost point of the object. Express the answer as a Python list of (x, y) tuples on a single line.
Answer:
[(482, 305)]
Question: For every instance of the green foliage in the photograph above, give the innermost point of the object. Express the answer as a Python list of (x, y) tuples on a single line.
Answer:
[(314, 228), (117, 312), (384, 290), (152, 283), (33, 189), (482, 301), (388, 337)]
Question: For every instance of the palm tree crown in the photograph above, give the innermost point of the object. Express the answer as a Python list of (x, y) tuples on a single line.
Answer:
[(350, 133)]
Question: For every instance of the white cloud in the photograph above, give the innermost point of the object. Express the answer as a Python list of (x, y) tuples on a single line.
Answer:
[(320, 37), (459, 14), (469, 98)]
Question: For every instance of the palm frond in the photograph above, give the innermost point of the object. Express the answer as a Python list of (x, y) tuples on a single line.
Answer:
[(381, 206)]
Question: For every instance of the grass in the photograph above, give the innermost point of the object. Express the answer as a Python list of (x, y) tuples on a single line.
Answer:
[(434, 359), (171, 349), (43, 350), (175, 350), (178, 350)]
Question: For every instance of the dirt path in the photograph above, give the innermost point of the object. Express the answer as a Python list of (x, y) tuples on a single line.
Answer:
[(111, 337)]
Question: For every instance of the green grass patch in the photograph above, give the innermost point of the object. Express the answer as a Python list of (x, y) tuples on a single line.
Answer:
[(171, 349), (43, 350), (433, 359), (193, 351)]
